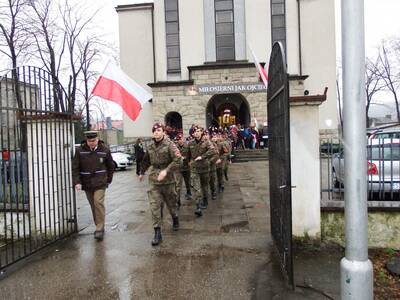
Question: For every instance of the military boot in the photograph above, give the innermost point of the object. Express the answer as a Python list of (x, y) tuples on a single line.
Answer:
[(198, 211), (204, 203), (221, 188), (226, 174), (188, 195), (175, 223), (157, 237), (214, 195)]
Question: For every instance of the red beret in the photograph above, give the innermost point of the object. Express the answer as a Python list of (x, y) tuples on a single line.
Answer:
[(156, 126)]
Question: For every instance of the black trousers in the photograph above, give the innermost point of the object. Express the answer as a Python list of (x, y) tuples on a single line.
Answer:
[(138, 163)]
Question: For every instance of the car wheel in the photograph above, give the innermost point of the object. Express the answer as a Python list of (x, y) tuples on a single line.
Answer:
[(122, 168), (115, 165), (336, 183)]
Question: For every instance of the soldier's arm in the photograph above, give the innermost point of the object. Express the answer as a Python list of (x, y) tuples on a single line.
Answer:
[(211, 152), (75, 169), (110, 166), (176, 158)]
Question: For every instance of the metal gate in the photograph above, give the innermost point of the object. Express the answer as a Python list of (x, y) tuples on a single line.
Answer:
[(279, 159), (37, 202)]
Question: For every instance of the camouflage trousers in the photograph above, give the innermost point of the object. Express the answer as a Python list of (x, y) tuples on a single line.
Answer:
[(220, 177), (213, 177), (159, 194), (181, 176), (200, 183)]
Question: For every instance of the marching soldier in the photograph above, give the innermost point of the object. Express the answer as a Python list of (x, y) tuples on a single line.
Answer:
[(228, 144), (184, 171), (164, 159), (200, 151), (92, 172), (223, 154), (215, 162)]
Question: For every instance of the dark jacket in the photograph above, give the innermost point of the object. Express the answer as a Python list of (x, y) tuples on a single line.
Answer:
[(139, 152), (93, 169), (159, 156)]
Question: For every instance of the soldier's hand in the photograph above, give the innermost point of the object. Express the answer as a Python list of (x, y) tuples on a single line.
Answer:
[(198, 158), (141, 177), (78, 187), (218, 161), (162, 175)]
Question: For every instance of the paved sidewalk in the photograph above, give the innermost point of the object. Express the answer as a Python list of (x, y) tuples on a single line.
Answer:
[(226, 254)]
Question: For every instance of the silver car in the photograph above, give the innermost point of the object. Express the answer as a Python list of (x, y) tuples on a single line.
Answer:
[(383, 171)]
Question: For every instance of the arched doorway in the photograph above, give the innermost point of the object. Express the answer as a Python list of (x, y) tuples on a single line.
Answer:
[(227, 109), (173, 119)]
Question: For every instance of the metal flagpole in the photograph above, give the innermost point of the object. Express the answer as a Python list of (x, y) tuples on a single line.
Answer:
[(356, 273)]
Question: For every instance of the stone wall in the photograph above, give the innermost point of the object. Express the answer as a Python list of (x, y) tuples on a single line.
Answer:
[(193, 108), (383, 228)]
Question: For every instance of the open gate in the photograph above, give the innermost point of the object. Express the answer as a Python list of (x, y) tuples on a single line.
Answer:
[(279, 159), (37, 202)]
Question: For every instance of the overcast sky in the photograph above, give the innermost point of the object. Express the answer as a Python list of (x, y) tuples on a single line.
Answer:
[(381, 21)]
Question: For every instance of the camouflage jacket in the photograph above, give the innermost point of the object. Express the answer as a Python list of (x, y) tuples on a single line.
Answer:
[(223, 150), (203, 148), (93, 169), (184, 149), (159, 156), (214, 158)]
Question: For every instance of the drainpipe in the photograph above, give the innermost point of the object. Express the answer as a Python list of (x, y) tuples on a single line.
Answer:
[(299, 36), (356, 273), (154, 44)]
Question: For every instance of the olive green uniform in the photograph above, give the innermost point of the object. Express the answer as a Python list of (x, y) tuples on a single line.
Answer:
[(183, 172), (199, 170), (223, 155), (213, 170), (163, 155), (93, 169)]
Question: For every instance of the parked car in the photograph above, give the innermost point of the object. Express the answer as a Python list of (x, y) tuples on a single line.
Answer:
[(388, 133), (383, 173), (122, 160)]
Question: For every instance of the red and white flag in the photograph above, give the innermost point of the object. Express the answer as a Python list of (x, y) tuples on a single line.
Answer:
[(116, 86), (261, 71)]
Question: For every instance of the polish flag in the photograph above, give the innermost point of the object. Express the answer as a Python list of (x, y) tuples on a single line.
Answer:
[(116, 86), (261, 71)]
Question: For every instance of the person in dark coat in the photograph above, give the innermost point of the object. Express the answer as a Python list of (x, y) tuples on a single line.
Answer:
[(139, 154), (92, 172)]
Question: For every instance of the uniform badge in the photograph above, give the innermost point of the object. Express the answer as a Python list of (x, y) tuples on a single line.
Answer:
[(101, 159)]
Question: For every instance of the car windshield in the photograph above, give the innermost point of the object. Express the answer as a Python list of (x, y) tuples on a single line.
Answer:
[(384, 152)]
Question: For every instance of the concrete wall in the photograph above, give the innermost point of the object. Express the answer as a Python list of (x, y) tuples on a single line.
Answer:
[(305, 168), (319, 55), (383, 228), (136, 54)]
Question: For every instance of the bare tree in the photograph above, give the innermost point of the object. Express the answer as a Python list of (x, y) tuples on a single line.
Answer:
[(50, 44), (373, 83), (388, 69), (13, 38)]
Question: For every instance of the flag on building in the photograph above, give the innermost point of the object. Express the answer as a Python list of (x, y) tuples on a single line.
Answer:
[(261, 71), (116, 86)]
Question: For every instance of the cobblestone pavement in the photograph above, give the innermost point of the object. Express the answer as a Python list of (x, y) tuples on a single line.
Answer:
[(226, 254)]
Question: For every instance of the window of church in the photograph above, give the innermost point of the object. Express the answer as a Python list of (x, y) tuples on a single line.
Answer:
[(172, 36)]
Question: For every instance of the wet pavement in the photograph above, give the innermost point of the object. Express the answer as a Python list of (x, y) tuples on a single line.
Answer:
[(226, 254)]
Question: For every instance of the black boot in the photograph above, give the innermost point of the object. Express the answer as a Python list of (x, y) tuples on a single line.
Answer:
[(214, 195), (188, 195), (204, 203), (157, 237), (226, 174), (221, 188), (198, 211), (175, 223)]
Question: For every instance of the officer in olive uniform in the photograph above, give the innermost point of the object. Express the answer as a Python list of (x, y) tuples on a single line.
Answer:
[(200, 152), (164, 159), (92, 171), (184, 171)]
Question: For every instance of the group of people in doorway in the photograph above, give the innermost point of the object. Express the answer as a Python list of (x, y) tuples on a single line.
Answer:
[(200, 161)]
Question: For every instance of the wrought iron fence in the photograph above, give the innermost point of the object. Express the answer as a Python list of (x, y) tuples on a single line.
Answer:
[(383, 172), (37, 202)]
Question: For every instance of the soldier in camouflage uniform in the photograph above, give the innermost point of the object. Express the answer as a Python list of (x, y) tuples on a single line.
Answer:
[(223, 155), (227, 142), (183, 172), (215, 161), (164, 159), (200, 151)]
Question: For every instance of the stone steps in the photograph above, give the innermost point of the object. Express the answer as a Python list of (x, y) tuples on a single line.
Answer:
[(250, 155)]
